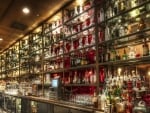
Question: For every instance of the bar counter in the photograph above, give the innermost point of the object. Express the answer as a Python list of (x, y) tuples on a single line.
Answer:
[(59, 103)]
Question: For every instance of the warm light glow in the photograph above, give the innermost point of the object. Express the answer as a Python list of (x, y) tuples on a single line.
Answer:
[(38, 29), (26, 10), (21, 35), (149, 73), (79, 2), (1, 39), (119, 70), (56, 18), (134, 13), (148, 15)]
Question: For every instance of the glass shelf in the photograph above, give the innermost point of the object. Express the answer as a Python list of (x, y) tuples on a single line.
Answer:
[(141, 60)]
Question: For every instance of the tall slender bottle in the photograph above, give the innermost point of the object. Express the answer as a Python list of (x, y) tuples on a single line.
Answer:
[(124, 56)]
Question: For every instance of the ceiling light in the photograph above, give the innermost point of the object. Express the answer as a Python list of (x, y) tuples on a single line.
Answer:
[(1, 39), (26, 10), (37, 15)]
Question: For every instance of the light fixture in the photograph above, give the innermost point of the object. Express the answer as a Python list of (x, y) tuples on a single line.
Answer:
[(26, 10), (1, 39)]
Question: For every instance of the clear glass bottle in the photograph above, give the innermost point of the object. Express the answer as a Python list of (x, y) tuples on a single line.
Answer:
[(75, 78), (101, 15)]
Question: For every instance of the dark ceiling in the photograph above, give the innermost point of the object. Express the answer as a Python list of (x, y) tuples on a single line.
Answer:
[(14, 24)]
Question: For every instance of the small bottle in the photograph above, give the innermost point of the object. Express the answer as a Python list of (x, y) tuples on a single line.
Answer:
[(95, 100)]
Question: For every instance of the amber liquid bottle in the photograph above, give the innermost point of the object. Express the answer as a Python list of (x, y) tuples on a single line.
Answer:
[(145, 49)]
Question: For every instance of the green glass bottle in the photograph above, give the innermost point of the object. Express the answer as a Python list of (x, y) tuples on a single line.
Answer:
[(124, 56)]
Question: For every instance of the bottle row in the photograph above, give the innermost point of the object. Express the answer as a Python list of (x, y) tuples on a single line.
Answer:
[(87, 56), (126, 88), (107, 54)]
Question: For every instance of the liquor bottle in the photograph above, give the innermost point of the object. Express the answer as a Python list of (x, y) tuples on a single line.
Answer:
[(141, 26), (129, 105), (80, 79), (132, 53), (75, 78), (102, 55), (145, 49), (101, 15), (100, 51), (109, 11), (123, 29), (73, 60), (78, 59), (113, 54), (132, 3), (91, 55), (101, 35), (116, 10), (61, 34), (118, 55), (75, 10), (92, 76), (107, 32), (107, 55), (102, 100), (83, 58), (124, 56), (116, 30), (95, 100), (121, 5)]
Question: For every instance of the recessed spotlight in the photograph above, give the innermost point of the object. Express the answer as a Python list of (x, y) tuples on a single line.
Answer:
[(26, 10), (37, 15), (1, 39)]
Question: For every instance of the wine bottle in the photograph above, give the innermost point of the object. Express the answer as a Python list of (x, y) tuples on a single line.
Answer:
[(124, 56)]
